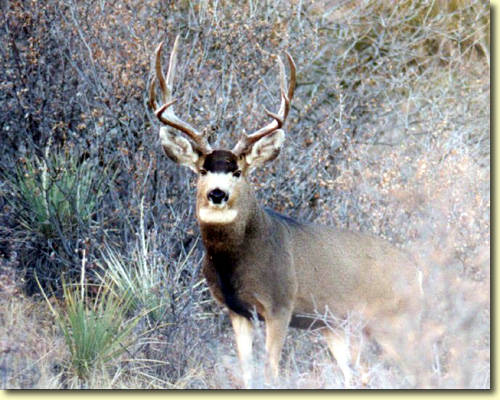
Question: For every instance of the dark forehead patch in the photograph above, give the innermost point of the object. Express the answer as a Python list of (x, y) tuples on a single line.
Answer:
[(220, 161)]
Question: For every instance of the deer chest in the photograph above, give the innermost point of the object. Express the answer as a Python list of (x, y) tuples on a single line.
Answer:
[(226, 284)]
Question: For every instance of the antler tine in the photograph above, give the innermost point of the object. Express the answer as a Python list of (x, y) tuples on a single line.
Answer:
[(293, 76), (165, 113), (279, 118)]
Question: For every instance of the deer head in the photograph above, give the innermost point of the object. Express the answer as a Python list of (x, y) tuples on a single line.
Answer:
[(222, 173)]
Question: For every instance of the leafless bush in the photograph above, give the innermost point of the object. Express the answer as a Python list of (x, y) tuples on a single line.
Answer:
[(388, 133)]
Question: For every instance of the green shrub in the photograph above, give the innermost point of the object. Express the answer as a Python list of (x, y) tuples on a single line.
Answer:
[(141, 278), (388, 133), (96, 329), (56, 195), (55, 201)]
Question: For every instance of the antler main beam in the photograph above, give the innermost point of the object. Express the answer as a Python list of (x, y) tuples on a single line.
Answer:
[(165, 112), (279, 118)]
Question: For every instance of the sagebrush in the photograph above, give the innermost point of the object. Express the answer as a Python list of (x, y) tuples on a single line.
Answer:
[(389, 133)]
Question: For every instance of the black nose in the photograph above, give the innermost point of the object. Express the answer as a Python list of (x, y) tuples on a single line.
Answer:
[(217, 195)]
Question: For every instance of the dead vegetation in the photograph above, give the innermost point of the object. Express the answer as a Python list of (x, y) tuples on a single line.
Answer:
[(388, 133)]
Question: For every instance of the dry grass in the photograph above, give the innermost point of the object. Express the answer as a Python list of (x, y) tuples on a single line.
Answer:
[(388, 134), (32, 350)]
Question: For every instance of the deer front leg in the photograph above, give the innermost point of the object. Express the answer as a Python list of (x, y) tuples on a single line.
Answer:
[(243, 331), (276, 329)]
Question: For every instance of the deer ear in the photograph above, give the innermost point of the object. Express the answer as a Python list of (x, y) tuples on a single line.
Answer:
[(179, 149), (265, 149)]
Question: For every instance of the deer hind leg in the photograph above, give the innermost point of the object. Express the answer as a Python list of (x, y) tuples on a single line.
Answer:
[(340, 349), (399, 350), (243, 330)]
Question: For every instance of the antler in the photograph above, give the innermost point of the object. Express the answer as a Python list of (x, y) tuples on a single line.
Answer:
[(165, 113), (246, 141)]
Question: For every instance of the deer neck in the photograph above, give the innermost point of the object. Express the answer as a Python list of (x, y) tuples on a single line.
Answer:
[(232, 238)]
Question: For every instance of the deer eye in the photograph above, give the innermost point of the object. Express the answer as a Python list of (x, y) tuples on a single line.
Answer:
[(203, 171), (237, 174)]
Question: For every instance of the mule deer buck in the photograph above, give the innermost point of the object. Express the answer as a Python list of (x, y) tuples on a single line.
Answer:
[(259, 261)]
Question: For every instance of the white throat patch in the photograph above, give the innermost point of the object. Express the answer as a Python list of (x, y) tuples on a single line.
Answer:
[(212, 215)]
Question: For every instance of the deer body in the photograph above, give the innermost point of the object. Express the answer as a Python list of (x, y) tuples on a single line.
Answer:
[(272, 261), (259, 262)]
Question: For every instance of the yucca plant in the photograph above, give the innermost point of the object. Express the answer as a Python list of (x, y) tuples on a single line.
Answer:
[(60, 192), (140, 278), (55, 200), (96, 328)]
